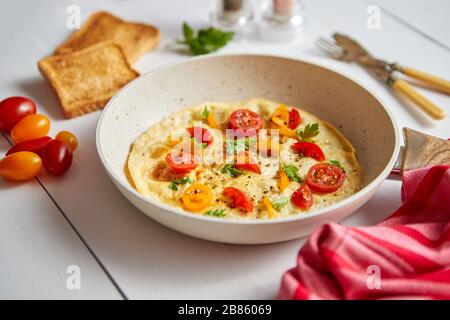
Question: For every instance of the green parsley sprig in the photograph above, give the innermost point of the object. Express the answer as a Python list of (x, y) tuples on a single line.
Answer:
[(205, 113), (279, 203), (337, 164), (205, 40), (292, 173), (231, 170), (310, 131), (175, 183), (220, 213)]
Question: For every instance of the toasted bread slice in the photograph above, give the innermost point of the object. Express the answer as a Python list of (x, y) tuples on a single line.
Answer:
[(87, 79), (135, 39)]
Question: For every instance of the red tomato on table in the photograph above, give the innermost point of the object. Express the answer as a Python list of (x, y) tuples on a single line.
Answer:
[(238, 199), (30, 127), (309, 149), (20, 166), (12, 110), (325, 177), (57, 157), (35, 146), (302, 197)]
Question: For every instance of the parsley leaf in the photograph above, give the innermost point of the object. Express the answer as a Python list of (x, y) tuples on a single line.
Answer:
[(205, 114), (216, 213), (231, 170), (206, 40), (337, 164), (203, 145), (236, 146), (278, 204), (292, 173), (310, 131), (175, 183)]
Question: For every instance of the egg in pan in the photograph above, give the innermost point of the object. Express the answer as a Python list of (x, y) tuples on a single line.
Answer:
[(254, 159)]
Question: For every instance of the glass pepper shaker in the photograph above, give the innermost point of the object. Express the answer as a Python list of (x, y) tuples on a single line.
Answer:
[(282, 20), (232, 15)]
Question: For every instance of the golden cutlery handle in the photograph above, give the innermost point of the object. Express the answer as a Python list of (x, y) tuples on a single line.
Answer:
[(426, 105), (438, 83)]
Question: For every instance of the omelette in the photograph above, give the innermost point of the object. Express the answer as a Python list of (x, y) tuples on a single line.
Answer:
[(254, 159)]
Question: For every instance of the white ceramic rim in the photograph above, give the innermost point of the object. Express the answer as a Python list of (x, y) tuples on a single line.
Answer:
[(368, 188)]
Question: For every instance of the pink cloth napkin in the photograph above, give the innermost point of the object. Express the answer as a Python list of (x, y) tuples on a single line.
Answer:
[(407, 256)]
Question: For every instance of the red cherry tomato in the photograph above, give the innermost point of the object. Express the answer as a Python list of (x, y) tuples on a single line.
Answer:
[(309, 149), (246, 163), (238, 199), (35, 146), (202, 135), (20, 166), (246, 120), (181, 162), (302, 197), (69, 138), (294, 119), (325, 177), (57, 157), (12, 110), (30, 127)]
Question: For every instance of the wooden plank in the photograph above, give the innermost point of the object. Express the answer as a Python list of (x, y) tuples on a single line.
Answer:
[(146, 259), (37, 248), (429, 18)]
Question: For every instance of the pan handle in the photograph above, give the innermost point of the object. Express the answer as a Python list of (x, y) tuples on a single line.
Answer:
[(420, 151)]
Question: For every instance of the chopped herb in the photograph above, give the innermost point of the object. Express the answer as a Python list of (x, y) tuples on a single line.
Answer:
[(206, 40), (310, 131), (216, 213), (205, 113), (175, 183), (337, 164), (231, 170), (203, 145), (278, 204), (292, 173), (236, 146)]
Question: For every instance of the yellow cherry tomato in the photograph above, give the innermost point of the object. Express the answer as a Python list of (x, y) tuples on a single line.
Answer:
[(69, 138), (20, 166), (31, 127), (197, 197), (212, 122)]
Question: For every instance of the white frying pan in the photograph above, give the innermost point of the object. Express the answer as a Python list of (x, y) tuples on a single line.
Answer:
[(351, 107)]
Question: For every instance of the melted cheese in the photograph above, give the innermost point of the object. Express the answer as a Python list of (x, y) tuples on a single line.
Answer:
[(146, 161)]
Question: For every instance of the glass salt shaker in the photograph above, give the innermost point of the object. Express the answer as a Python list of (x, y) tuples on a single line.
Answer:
[(282, 20), (233, 15)]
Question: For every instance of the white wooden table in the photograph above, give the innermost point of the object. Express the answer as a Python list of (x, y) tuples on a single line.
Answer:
[(82, 220)]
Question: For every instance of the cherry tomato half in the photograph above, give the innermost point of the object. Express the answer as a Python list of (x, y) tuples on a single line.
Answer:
[(57, 157), (246, 163), (197, 197), (181, 162), (12, 110), (35, 146), (302, 197), (69, 138), (246, 120), (238, 199), (202, 135), (309, 149), (325, 177), (30, 127), (20, 166), (294, 119)]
